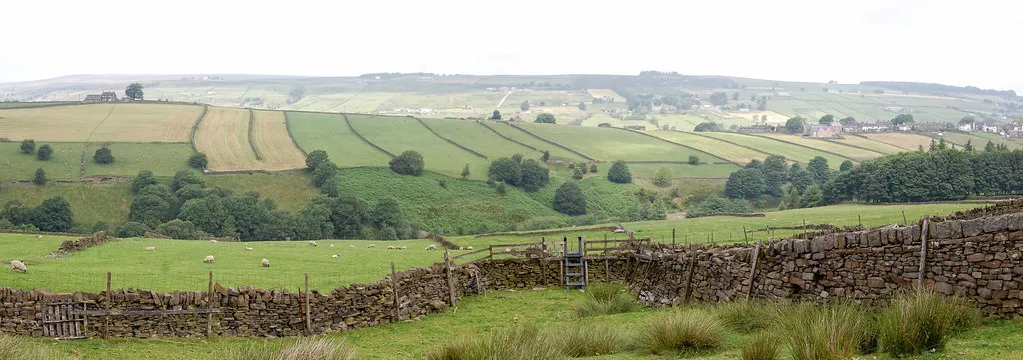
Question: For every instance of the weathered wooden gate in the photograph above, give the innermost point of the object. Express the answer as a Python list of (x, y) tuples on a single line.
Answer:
[(65, 320)]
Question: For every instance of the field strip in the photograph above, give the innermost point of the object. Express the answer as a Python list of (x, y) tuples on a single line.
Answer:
[(195, 126), (856, 146), (287, 126), (474, 152), (804, 146), (101, 122), (507, 138), (730, 142), (252, 143), (275, 147), (223, 136), (678, 144), (364, 139), (566, 148)]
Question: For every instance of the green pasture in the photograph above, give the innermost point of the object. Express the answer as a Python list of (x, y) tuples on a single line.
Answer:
[(845, 151), (64, 164), (906, 141), (398, 134), (89, 202), (557, 153), (719, 148), (478, 138), (866, 143), (163, 159), (614, 144), (774, 147), (328, 132)]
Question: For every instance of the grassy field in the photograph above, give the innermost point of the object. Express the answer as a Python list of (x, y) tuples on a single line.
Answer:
[(978, 140), (647, 171), (328, 132), (831, 147), (877, 146), (774, 147), (290, 191), (520, 136), (272, 143), (398, 134), (909, 142), (224, 136), (55, 123), (63, 165), (101, 122), (719, 148), (89, 202), (605, 92), (479, 138), (163, 159), (549, 309), (613, 144)]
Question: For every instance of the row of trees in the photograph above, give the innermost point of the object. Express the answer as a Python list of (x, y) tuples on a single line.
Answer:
[(529, 174), (44, 152), (52, 215), (768, 177)]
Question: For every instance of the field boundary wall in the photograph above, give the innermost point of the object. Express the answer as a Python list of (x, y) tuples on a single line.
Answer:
[(563, 147), (695, 133), (810, 147), (471, 151), (507, 138), (363, 138), (195, 127), (252, 143), (678, 144), (287, 126)]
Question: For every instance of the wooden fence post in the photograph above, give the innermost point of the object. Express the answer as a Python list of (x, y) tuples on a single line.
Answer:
[(744, 236), (106, 317), (672, 238), (923, 253), (860, 219), (753, 269), (804, 230), (904, 222), (209, 307), (308, 319), (541, 261), (394, 287), (451, 284), (690, 272)]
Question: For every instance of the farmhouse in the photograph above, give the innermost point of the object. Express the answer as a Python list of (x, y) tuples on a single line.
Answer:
[(106, 96), (761, 128), (822, 131)]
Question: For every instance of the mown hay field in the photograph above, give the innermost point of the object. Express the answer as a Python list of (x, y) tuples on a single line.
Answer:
[(101, 122), (979, 140), (845, 151), (148, 123), (275, 148), (330, 133), (398, 134), (55, 123), (224, 136), (774, 147), (909, 142), (614, 144), (719, 148), (63, 165), (478, 138), (163, 159), (878, 146), (89, 202)]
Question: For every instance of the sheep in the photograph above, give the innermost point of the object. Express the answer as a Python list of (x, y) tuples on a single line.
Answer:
[(208, 259), (351, 246), (213, 241), (461, 248), (372, 245), (18, 266), (468, 247), (333, 256), (403, 248), (331, 245), (390, 247), (151, 248), (431, 247), (507, 249), (248, 249), (39, 236), (266, 263), (312, 243)]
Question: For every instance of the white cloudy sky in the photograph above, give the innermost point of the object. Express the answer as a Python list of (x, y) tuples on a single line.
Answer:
[(964, 42)]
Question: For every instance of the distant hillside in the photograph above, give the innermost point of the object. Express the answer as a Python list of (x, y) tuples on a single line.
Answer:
[(940, 89)]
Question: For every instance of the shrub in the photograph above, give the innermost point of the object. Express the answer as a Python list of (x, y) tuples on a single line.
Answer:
[(716, 205), (619, 173), (694, 160), (534, 175), (922, 320), (546, 156), (506, 170), (593, 168), (388, 233), (569, 199), (443, 183), (545, 118), (316, 158), (408, 163), (13, 348), (662, 177), (466, 172), (178, 229), (40, 177), (690, 330), (198, 161), (103, 156), (53, 215), (745, 316), (591, 340), (834, 332), (6, 224), (324, 172), (303, 349), (143, 179), (501, 190), (521, 342), (28, 146), (44, 153), (132, 229), (577, 173), (761, 347), (606, 299)]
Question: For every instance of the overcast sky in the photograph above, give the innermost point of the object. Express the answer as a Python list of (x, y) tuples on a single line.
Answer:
[(953, 42)]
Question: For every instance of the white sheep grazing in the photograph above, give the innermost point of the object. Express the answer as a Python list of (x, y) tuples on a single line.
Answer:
[(468, 247), (461, 248), (208, 259), (39, 236), (351, 246), (372, 245), (249, 249), (312, 243), (331, 245), (151, 248), (266, 263), (18, 266), (333, 256), (403, 248), (213, 241), (431, 247), (507, 249)]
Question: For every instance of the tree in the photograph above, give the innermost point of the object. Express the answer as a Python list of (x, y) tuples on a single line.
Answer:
[(546, 156), (134, 91), (525, 105), (745, 183), (517, 158), (44, 153), (707, 126), (812, 197), (902, 119), (826, 119), (53, 215), (775, 172), (323, 173), (151, 210), (313, 222), (795, 125), (505, 170), (496, 115), (316, 158), (465, 172), (534, 175), (179, 229), (132, 229), (582, 106), (969, 146), (28, 146), (662, 177), (409, 162), (185, 177), (801, 180), (40, 177), (619, 173), (103, 156), (818, 168), (142, 180), (387, 212), (545, 118), (593, 168), (198, 161), (568, 199), (577, 173), (735, 96), (967, 120), (847, 121), (791, 200), (694, 160), (846, 165), (719, 98)]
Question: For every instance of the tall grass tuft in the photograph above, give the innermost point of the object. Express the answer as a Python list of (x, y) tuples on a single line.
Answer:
[(823, 333), (303, 349), (12, 348), (922, 320), (591, 340), (606, 299), (761, 347), (689, 330), (522, 342), (746, 316)]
